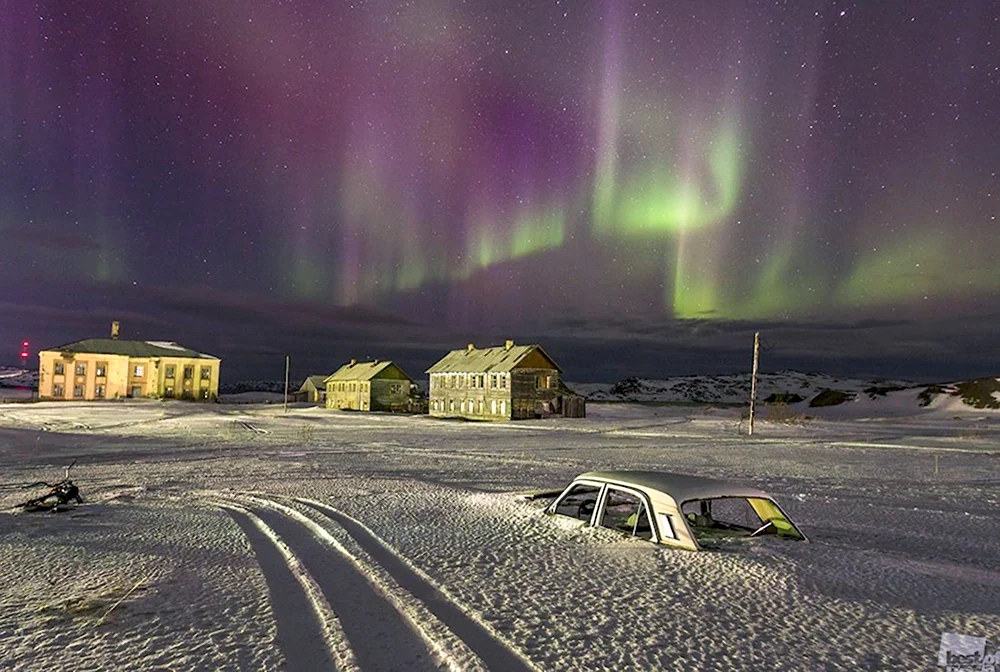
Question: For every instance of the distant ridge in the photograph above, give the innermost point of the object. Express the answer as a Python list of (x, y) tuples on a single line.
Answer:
[(11, 376), (791, 388)]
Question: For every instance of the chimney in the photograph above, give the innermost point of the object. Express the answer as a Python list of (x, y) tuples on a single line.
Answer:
[(376, 361), (508, 345), (114, 330), (353, 362), (470, 347)]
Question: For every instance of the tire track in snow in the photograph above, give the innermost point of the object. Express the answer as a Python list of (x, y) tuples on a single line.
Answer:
[(380, 636), (494, 652), (59, 426), (249, 426), (447, 647), (308, 632)]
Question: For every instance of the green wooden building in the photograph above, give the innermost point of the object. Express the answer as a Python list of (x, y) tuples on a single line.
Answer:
[(508, 382), (369, 386)]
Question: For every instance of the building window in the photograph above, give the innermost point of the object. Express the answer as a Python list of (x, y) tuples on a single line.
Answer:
[(396, 388), (102, 369), (188, 372), (59, 369), (206, 373), (136, 391), (493, 406), (502, 378), (543, 382), (168, 391), (81, 368), (99, 391), (78, 391), (204, 393), (138, 371), (170, 371), (57, 390)]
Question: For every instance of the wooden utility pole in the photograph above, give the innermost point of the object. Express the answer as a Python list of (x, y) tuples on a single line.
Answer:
[(753, 378), (286, 382)]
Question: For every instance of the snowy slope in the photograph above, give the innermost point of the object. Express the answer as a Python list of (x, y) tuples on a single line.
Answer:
[(794, 388), (728, 389), (16, 377)]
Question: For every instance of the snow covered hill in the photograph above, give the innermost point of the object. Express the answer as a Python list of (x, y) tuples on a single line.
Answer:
[(795, 388), (11, 376)]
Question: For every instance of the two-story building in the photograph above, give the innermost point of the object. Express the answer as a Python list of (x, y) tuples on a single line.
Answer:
[(369, 386), (508, 382), (108, 368)]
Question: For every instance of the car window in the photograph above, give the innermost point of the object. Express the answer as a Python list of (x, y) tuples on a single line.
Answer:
[(626, 513), (579, 502), (724, 515)]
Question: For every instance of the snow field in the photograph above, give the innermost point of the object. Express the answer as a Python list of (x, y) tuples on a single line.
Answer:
[(422, 520)]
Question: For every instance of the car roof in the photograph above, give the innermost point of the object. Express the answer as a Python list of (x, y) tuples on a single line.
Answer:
[(682, 487)]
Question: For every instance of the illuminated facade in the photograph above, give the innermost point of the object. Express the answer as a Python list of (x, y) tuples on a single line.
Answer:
[(369, 386), (508, 382), (107, 368), (313, 390)]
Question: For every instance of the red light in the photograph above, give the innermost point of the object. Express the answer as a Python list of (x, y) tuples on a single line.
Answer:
[(24, 345)]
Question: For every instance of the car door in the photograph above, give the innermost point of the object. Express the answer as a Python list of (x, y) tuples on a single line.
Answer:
[(626, 510)]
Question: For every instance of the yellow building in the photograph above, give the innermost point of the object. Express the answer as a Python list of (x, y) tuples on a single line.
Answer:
[(107, 368), (369, 386)]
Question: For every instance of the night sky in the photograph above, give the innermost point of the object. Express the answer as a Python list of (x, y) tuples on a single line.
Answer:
[(638, 186)]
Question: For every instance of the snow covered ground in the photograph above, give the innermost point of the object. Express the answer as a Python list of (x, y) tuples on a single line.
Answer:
[(241, 537)]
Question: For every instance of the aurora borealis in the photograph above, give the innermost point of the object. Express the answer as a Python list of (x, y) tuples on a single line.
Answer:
[(650, 178)]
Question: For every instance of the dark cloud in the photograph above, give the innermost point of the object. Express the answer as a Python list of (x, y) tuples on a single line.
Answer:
[(253, 339)]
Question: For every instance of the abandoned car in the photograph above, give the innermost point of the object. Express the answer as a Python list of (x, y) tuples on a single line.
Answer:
[(673, 509)]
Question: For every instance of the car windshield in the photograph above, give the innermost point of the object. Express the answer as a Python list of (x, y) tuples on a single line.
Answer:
[(736, 517)]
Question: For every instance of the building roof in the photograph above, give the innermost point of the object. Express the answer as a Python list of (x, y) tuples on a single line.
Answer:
[(501, 358), (111, 346), (361, 371), (318, 382), (682, 487)]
